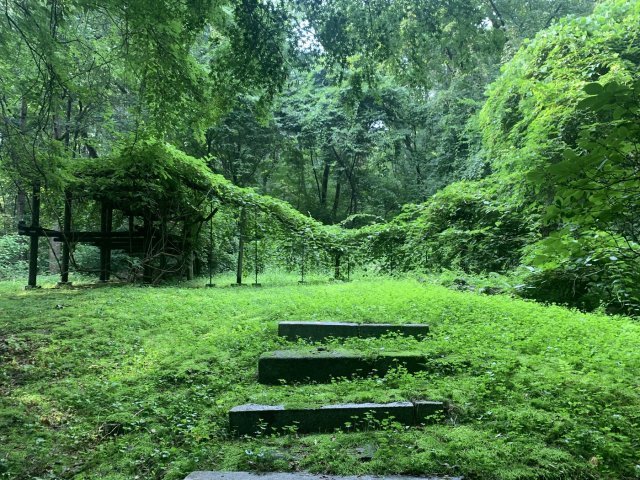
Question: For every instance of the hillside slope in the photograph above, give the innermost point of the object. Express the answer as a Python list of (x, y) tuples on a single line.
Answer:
[(129, 382)]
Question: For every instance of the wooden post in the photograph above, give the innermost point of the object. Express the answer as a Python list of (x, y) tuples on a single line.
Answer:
[(131, 227), (210, 254), (255, 246), (163, 246), (147, 275), (243, 217), (66, 230), (108, 242), (35, 224), (106, 214), (190, 232), (304, 255), (255, 260)]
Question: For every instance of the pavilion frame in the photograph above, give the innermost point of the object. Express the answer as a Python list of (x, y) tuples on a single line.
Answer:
[(134, 241)]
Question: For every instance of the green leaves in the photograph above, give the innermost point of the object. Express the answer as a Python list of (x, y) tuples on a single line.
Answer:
[(593, 88), (564, 115)]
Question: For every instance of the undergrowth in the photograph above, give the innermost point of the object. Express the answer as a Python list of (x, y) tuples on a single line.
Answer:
[(132, 382)]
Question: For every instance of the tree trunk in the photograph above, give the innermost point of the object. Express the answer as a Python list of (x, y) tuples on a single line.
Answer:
[(190, 259), (353, 203), (325, 183), (336, 200), (197, 266), (302, 183), (190, 234), (21, 202)]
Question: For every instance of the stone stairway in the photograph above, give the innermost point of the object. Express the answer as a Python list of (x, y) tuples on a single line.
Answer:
[(323, 365)]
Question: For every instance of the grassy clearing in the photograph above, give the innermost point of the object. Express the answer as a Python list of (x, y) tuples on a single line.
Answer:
[(131, 382)]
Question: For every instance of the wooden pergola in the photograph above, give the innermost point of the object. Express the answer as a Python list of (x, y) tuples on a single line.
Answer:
[(145, 240), (166, 196)]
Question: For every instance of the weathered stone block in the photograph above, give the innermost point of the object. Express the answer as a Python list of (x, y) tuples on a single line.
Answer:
[(379, 329), (319, 331), (427, 411), (298, 476), (321, 365), (316, 331), (253, 419)]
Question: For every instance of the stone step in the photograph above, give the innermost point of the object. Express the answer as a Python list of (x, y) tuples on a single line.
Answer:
[(322, 365), (319, 331), (252, 419), (299, 476)]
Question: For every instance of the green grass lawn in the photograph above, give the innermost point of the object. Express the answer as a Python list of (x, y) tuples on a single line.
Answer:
[(130, 382)]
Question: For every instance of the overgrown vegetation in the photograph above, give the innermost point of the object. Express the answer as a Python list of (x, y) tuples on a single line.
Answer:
[(542, 175), (560, 136), (124, 382), (489, 147)]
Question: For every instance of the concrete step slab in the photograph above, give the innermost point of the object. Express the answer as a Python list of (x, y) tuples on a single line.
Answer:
[(319, 331), (254, 419), (322, 365), (299, 476)]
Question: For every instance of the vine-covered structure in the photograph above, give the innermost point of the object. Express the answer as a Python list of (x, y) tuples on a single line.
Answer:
[(153, 202)]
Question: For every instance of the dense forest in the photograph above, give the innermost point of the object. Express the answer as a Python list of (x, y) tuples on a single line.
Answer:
[(493, 138), (434, 206)]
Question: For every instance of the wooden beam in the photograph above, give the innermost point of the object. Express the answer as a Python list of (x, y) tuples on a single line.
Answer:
[(241, 229), (33, 248)]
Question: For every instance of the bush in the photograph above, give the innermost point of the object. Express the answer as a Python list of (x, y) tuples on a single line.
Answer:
[(583, 270), (13, 253), (462, 227)]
